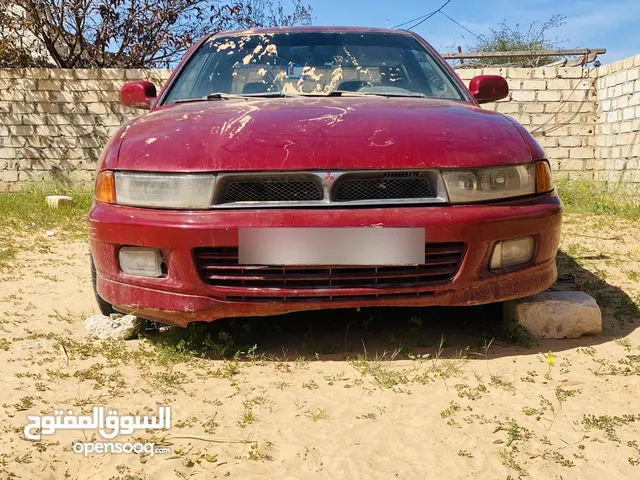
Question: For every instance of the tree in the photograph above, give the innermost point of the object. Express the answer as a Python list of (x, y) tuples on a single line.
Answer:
[(262, 13), (15, 46), (130, 33), (505, 39)]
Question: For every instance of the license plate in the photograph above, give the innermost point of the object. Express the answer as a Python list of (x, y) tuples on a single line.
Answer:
[(331, 246)]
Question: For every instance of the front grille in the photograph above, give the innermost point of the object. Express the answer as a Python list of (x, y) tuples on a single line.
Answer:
[(329, 298), (385, 186), (271, 190), (218, 266), (328, 188)]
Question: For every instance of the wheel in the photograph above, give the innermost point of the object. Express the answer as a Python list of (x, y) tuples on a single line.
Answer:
[(105, 307)]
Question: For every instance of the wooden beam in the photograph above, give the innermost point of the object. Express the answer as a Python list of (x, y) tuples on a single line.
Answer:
[(524, 53)]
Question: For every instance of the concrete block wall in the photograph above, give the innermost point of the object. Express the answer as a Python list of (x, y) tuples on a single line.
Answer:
[(558, 106), (618, 122), (54, 123)]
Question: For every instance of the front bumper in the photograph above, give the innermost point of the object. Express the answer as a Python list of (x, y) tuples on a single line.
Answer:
[(182, 297)]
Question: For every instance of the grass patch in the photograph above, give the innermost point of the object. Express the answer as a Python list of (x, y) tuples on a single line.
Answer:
[(29, 208), (6, 255), (317, 414), (379, 369), (599, 198), (608, 424)]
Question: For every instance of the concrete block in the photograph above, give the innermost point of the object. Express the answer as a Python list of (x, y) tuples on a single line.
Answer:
[(21, 130), (523, 96), (97, 108), (582, 152), (63, 73), (534, 85), (20, 107), (62, 97), (557, 131), (545, 72), (531, 107), (570, 72), (561, 84), (570, 142), (34, 119), (14, 142), (87, 74), (37, 73), (12, 96), (549, 96), (59, 201), (48, 108), (112, 73), (136, 74), (542, 119), (50, 85), (8, 153), (628, 113), (8, 176), (584, 130), (574, 165), (508, 107), (556, 314)]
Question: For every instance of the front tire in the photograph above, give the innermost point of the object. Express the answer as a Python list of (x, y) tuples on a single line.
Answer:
[(105, 307)]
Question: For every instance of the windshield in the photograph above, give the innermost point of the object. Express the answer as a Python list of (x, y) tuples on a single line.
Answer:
[(313, 63)]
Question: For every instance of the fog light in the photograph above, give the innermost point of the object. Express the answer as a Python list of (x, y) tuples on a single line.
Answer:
[(141, 261), (512, 252)]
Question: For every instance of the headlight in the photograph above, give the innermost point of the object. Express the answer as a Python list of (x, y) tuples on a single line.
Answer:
[(164, 190), (490, 183)]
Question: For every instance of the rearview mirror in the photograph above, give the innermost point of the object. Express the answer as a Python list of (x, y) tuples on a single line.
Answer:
[(138, 94), (488, 88)]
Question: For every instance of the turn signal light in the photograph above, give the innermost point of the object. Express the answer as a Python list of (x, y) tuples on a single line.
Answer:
[(544, 180), (105, 187)]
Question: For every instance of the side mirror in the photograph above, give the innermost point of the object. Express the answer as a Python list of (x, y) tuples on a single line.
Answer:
[(489, 88), (138, 94)]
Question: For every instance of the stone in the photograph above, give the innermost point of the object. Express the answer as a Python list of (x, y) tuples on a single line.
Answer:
[(37, 344), (59, 201), (116, 327), (565, 314)]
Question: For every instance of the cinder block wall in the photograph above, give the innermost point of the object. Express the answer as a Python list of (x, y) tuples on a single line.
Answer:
[(618, 122), (55, 122), (558, 106)]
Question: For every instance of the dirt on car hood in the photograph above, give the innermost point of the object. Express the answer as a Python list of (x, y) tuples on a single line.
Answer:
[(307, 133)]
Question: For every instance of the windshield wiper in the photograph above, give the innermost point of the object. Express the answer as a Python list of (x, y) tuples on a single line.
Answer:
[(334, 93), (346, 93), (223, 96), (231, 96)]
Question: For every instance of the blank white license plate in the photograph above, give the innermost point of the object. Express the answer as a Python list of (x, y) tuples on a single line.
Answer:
[(331, 246)]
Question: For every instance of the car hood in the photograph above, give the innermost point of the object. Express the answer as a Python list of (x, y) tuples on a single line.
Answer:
[(307, 133)]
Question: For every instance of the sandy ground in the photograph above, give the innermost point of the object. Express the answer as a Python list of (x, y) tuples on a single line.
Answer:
[(308, 402)]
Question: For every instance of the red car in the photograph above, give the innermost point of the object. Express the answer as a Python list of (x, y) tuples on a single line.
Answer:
[(299, 169)]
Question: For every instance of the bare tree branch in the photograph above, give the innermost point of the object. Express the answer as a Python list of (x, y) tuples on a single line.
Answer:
[(506, 38), (129, 33)]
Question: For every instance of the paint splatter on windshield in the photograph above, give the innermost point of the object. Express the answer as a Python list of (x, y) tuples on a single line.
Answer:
[(314, 63)]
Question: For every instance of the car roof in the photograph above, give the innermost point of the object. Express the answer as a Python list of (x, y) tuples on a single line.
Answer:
[(311, 29)]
